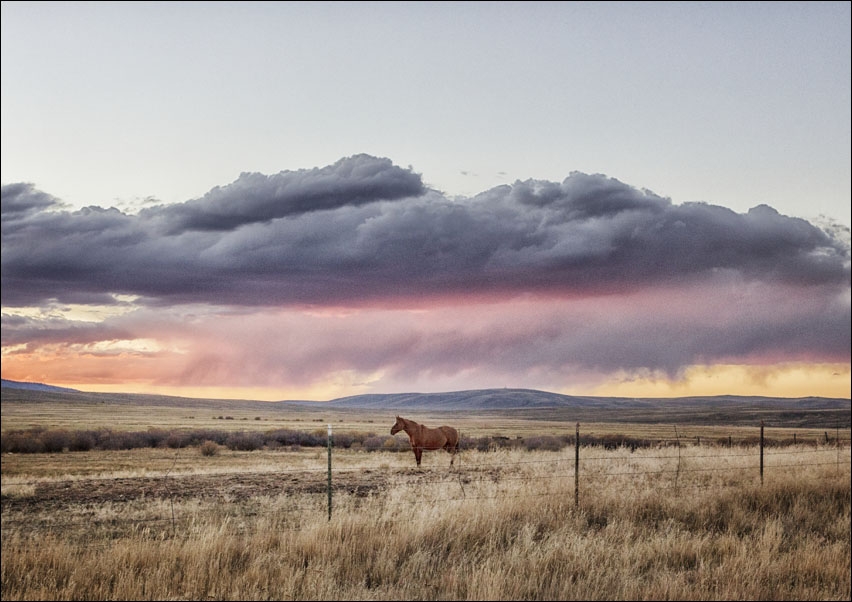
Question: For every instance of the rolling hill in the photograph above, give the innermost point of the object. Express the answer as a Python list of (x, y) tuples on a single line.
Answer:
[(14, 384), (818, 412)]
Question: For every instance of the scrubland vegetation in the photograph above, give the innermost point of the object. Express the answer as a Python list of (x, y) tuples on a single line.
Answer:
[(44, 440), (649, 522), (221, 501)]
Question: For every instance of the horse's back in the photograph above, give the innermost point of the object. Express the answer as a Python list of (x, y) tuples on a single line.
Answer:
[(451, 434)]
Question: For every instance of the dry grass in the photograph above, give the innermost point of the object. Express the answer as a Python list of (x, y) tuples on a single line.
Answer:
[(685, 523), (135, 415), (653, 524)]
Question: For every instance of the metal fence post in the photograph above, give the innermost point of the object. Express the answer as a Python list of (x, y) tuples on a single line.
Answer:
[(329, 472), (761, 452), (577, 466)]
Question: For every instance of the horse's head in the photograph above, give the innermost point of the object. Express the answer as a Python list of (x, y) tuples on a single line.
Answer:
[(397, 426)]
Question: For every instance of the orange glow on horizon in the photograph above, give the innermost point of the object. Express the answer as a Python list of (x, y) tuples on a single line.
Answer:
[(788, 381), (225, 393)]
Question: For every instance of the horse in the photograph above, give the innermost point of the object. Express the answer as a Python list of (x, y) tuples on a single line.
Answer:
[(423, 437)]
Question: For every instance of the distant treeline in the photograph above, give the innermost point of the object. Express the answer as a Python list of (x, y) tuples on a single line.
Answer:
[(41, 440)]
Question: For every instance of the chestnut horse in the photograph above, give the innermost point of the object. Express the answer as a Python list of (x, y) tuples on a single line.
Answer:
[(423, 437)]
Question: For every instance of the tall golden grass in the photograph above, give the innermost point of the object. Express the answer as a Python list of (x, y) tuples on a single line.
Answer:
[(692, 523)]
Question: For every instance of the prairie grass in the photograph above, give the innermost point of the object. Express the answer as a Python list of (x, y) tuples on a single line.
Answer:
[(26, 409), (692, 523)]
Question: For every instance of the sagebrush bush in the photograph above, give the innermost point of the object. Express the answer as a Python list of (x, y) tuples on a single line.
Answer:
[(55, 441), (544, 443), (82, 441), (209, 448), (41, 440), (374, 443), (244, 441)]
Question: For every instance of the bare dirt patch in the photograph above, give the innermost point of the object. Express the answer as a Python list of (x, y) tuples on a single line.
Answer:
[(58, 495)]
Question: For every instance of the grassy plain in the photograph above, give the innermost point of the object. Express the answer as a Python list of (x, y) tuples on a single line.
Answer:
[(657, 523), (22, 409)]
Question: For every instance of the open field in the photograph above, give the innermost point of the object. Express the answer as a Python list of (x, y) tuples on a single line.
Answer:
[(685, 521), (23, 409), (693, 523)]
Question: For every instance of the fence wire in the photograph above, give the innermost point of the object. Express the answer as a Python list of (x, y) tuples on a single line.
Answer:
[(466, 475)]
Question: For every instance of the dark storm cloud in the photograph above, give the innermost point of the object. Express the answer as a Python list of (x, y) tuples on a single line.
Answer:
[(254, 197), (363, 230), (22, 199), (31, 332)]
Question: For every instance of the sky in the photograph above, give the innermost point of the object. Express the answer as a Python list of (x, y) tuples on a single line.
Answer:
[(314, 200)]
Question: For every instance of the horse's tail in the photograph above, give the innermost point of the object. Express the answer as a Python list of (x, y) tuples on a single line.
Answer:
[(455, 450)]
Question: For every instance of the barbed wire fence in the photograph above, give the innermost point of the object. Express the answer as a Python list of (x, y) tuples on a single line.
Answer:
[(584, 469)]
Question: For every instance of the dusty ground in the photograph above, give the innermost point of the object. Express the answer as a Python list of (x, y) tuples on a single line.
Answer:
[(55, 496)]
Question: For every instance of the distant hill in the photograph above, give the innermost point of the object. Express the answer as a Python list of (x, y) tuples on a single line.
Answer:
[(809, 412), (521, 399), (14, 384), (478, 399)]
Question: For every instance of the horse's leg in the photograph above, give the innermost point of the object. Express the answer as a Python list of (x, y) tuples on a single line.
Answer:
[(450, 449), (417, 454)]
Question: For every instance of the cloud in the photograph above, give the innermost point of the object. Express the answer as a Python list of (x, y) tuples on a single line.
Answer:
[(527, 341), (255, 198), (22, 200), (584, 276), (362, 231)]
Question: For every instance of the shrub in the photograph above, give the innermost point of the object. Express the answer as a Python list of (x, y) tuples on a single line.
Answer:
[(360, 437), (209, 448), (199, 436), (244, 441), (21, 442), (55, 441), (544, 442), (134, 440), (373, 443), (82, 441), (283, 437), (177, 439), (317, 438), (106, 439), (342, 440), (155, 437), (611, 441), (480, 444)]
